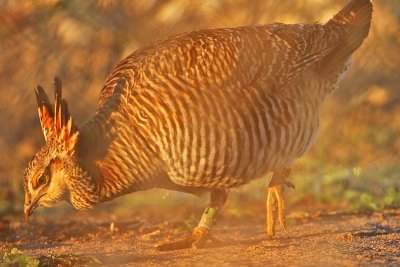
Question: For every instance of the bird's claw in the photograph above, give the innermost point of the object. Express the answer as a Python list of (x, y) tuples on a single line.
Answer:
[(197, 239), (182, 243), (289, 184)]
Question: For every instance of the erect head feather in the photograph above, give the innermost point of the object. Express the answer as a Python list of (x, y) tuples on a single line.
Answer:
[(56, 123)]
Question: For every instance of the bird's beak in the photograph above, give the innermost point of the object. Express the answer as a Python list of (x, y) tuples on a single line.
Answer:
[(26, 214), (28, 209), (30, 205)]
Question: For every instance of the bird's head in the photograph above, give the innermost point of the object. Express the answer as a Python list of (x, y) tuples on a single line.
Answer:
[(47, 177)]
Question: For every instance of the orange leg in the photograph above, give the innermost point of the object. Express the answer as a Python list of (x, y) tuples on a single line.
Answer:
[(275, 200)]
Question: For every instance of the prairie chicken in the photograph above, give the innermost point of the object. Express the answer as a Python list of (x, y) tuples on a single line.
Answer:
[(199, 112)]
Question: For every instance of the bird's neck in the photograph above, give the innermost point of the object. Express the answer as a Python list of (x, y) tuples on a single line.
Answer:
[(82, 189), (118, 160)]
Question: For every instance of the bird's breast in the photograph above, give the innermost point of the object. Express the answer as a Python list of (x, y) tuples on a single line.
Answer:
[(221, 138)]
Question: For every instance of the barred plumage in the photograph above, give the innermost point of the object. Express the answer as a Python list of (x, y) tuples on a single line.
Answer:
[(206, 110)]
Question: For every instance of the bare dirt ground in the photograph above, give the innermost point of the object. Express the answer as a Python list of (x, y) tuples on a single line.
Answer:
[(314, 238)]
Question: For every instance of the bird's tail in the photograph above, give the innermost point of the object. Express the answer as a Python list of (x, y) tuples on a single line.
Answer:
[(352, 24)]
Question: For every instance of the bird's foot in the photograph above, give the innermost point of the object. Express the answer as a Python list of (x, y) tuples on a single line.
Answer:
[(275, 199), (201, 234), (197, 239)]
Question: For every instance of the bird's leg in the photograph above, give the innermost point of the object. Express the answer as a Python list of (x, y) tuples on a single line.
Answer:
[(275, 198), (201, 233)]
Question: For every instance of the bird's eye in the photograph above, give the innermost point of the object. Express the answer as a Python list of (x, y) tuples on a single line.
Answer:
[(41, 180)]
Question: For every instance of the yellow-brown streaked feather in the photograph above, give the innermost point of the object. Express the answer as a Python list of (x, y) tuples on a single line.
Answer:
[(34, 180), (45, 111), (352, 25), (57, 104)]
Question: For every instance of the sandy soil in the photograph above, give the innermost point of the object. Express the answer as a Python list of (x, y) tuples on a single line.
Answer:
[(315, 238)]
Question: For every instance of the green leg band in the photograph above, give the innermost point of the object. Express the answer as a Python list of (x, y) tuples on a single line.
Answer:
[(208, 218)]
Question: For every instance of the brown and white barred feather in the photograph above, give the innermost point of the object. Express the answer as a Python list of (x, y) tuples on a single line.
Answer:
[(217, 108), (209, 109)]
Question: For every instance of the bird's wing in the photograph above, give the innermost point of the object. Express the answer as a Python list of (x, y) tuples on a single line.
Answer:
[(228, 59)]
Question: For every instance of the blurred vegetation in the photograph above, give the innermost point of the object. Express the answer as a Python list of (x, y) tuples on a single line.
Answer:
[(18, 258), (355, 161)]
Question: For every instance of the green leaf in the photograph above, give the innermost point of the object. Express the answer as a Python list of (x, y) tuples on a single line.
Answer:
[(366, 202), (18, 258), (392, 198)]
